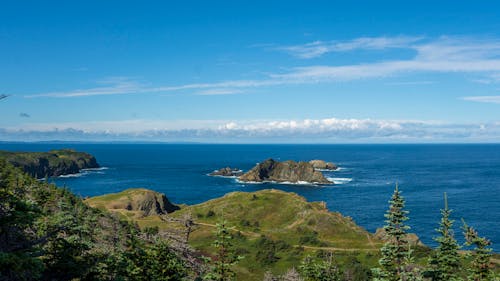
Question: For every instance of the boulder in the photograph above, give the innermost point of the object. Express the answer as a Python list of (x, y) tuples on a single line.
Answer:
[(287, 171), (323, 165)]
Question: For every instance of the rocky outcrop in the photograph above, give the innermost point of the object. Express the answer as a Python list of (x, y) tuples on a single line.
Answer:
[(51, 164), (287, 171), (227, 172), (143, 202), (323, 165), (412, 238)]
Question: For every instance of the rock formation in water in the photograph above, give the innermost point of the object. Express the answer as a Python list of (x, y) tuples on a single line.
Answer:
[(227, 172), (287, 171), (323, 165), (51, 164)]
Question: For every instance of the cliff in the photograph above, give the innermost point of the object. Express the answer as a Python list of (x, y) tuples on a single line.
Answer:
[(287, 171), (50, 164)]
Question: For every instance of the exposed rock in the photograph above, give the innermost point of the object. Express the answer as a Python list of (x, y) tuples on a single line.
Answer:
[(227, 172), (51, 164), (411, 237), (323, 165), (145, 201), (287, 171)]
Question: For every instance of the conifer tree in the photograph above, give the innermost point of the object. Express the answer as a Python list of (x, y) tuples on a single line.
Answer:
[(480, 267), (445, 261), (221, 269), (395, 250)]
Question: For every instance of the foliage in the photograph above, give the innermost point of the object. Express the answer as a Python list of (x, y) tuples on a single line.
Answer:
[(48, 233), (221, 268), (480, 267), (444, 263), (396, 251), (322, 270)]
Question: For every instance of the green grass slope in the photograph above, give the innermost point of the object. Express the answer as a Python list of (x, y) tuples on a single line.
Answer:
[(274, 230)]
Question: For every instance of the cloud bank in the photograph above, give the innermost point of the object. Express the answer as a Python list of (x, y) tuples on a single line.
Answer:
[(328, 130)]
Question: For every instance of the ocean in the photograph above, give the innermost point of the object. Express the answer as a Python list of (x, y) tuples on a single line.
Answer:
[(468, 173)]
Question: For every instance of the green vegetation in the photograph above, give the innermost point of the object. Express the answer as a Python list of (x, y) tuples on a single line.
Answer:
[(274, 230), (444, 263), (48, 233), (52, 163), (221, 267), (397, 261)]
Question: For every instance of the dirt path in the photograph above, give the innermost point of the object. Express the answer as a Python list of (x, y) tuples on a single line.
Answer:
[(337, 249), (249, 233)]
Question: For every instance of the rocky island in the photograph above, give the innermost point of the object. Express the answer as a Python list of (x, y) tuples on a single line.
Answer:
[(50, 164), (286, 171), (227, 172)]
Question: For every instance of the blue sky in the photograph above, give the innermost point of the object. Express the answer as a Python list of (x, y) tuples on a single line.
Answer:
[(250, 71)]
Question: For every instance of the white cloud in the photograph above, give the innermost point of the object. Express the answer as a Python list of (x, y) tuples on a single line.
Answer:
[(486, 99), (319, 48), (443, 55)]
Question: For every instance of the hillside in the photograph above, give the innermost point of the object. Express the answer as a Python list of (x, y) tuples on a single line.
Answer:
[(134, 202), (48, 233), (273, 229), (50, 164)]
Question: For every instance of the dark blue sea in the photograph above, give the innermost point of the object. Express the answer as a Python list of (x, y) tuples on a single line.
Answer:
[(469, 174)]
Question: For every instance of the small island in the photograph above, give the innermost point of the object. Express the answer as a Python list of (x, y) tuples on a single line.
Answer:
[(287, 171), (227, 172), (51, 164)]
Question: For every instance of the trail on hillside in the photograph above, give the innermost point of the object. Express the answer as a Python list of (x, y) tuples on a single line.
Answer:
[(255, 234)]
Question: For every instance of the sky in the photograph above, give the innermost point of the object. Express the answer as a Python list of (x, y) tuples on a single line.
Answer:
[(250, 71)]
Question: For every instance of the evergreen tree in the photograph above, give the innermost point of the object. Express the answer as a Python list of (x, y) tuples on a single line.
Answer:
[(323, 270), (221, 269), (396, 250), (445, 261), (480, 267)]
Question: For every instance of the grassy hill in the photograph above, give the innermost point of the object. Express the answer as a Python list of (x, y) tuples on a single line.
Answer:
[(273, 229)]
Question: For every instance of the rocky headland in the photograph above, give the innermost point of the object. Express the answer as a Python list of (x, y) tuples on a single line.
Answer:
[(139, 201), (50, 164), (290, 171)]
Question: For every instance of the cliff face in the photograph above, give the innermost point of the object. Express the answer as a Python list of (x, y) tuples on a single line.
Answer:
[(287, 171), (50, 164)]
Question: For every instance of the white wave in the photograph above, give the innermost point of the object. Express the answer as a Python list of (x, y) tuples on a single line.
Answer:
[(71, 175), (220, 176), (340, 180), (326, 170), (282, 182), (94, 169)]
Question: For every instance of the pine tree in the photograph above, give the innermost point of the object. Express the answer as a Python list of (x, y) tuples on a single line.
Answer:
[(480, 268), (445, 261), (221, 269), (322, 270), (396, 250)]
